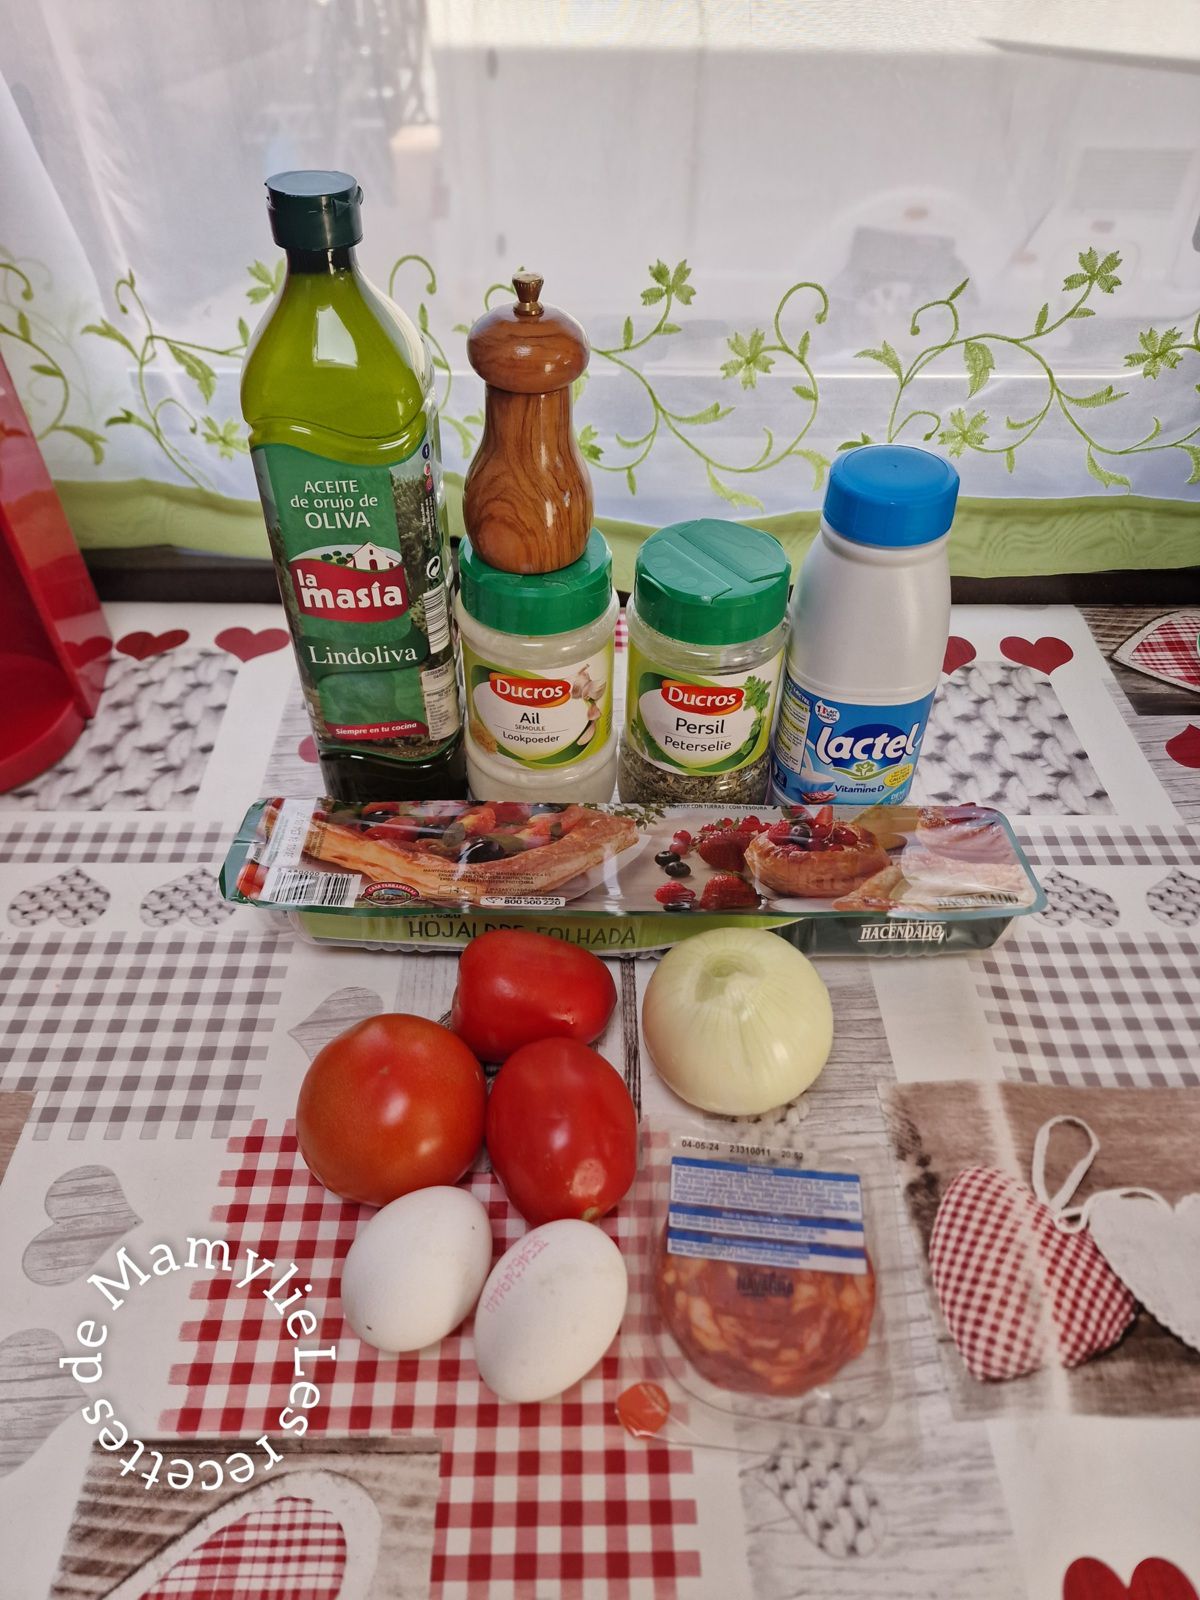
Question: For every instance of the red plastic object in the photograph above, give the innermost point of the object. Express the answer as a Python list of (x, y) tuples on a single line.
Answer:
[(54, 641)]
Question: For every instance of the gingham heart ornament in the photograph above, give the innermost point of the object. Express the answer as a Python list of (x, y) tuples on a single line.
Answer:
[(1020, 1284)]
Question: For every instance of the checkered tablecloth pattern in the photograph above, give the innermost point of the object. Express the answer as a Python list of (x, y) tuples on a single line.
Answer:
[(291, 1550), (1109, 844), (1170, 650), (146, 1034), (537, 1500), (1101, 1010), (30, 839)]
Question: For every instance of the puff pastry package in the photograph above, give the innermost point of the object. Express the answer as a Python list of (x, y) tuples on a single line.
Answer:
[(770, 1297), (885, 880)]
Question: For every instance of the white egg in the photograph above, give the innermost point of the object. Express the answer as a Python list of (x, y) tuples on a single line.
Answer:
[(416, 1267), (549, 1310)]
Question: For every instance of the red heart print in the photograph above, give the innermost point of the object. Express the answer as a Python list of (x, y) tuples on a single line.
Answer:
[(94, 649), (291, 1547), (1185, 746), (1017, 1294), (1043, 655), (141, 646), (307, 748), (958, 653), (1089, 1579), (1155, 1579), (245, 644)]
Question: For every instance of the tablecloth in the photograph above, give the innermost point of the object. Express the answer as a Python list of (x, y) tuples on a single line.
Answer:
[(152, 1040)]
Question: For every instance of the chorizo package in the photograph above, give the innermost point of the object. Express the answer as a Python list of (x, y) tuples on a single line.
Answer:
[(770, 1295)]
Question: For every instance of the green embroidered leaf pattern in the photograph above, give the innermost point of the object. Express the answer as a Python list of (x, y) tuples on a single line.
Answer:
[(980, 364), (105, 330), (964, 433), (1102, 397), (712, 413), (1158, 350), (886, 355), (89, 436), (751, 354), (733, 497), (1102, 475), (589, 449), (748, 358), (1095, 272), (198, 370), (818, 462), (224, 437), (266, 280)]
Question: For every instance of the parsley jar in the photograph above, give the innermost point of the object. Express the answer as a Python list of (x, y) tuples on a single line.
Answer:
[(537, 653), (706, 638)]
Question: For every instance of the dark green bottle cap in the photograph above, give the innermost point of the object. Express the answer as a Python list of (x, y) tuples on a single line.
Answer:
[(314, 210), (538, 603), (711, 582)]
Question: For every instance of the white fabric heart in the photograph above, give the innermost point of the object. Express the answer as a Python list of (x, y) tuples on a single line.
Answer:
[(1154, 1249)]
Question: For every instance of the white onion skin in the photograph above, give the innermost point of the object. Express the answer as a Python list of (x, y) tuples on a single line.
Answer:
[(737, 1021)]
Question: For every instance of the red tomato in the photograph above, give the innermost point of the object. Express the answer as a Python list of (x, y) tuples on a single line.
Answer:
[(515, 987), (393, 1104), (561, 1131)]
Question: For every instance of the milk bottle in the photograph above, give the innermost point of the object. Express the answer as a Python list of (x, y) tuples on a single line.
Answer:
[(869, 620)]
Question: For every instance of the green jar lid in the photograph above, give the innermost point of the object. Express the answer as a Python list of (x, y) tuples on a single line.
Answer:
[(538, 603), (711, 582)]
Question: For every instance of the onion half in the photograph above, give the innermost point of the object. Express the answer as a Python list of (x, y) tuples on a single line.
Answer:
[(737, 1021)]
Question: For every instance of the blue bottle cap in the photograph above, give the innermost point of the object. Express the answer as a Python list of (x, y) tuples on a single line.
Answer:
[(891, 496)]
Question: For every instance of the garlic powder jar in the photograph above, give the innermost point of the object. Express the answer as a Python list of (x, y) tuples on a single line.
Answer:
[(537, 653)]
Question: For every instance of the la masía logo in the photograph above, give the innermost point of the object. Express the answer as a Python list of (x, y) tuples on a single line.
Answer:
[(872, 745)]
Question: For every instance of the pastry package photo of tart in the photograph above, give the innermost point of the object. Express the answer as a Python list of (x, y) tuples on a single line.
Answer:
[(457, 852), (813, 857)]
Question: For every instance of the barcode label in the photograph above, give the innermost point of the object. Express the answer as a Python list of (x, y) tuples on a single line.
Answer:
[(437, 618), (985, 897), (290, 832), (291, 886), (523, 902)]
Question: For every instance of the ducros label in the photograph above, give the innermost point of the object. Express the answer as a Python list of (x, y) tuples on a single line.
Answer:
[(694, 724), (365, 578), (549, 720), (828, 751)]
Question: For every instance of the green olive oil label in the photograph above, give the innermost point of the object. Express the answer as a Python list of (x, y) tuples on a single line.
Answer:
[(549, 719), (684, 723), (365, 577)]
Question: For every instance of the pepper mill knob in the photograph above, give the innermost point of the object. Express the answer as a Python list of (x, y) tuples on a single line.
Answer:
[(528, 286), (527, 500)]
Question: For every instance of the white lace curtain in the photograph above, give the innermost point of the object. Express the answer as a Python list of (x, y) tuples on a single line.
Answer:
[(785, 227)]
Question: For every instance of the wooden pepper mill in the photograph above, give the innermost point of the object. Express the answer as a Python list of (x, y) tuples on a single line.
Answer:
[(527, 502)]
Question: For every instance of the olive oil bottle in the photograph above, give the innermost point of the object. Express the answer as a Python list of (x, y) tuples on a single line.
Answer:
[(338, 396)]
